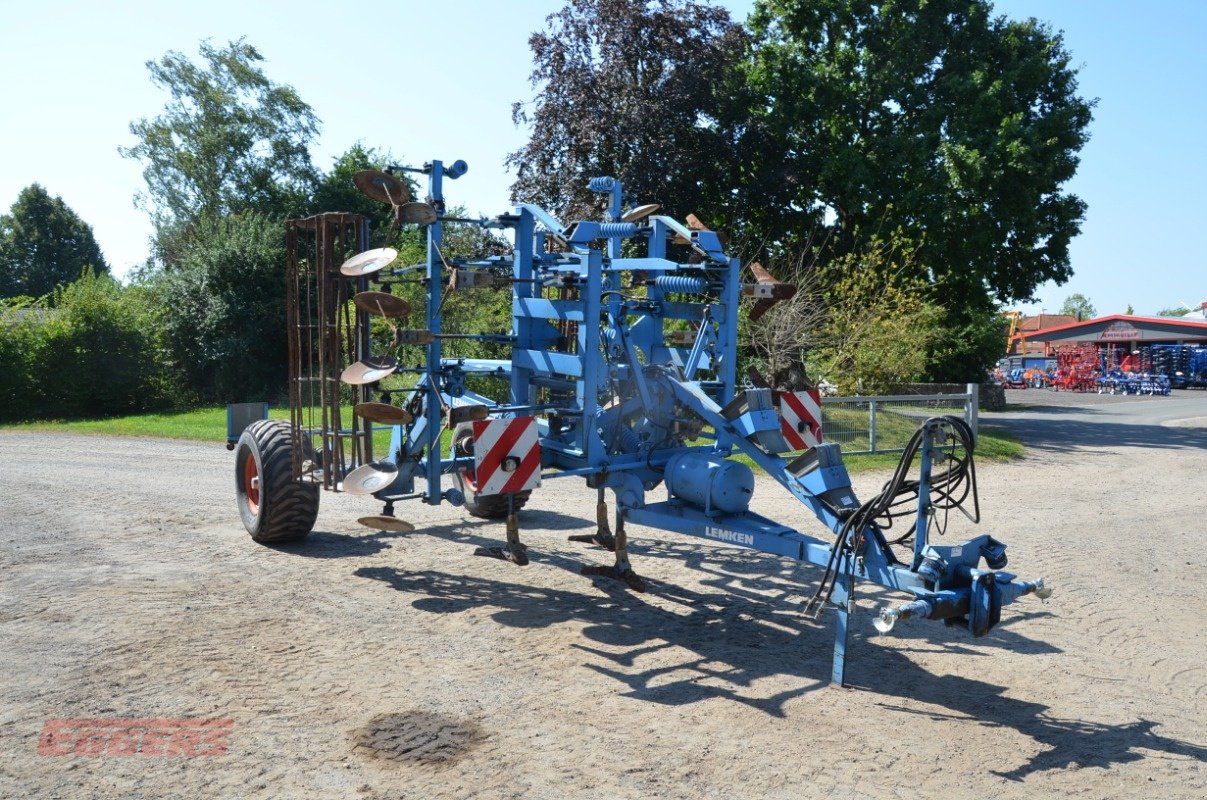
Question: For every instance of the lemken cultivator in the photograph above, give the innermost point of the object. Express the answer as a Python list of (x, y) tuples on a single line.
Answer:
[(622, 370)]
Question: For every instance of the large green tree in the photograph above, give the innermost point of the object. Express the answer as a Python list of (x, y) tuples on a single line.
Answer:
[(639, 90), (935, 115), (229, 140), (44, 244)]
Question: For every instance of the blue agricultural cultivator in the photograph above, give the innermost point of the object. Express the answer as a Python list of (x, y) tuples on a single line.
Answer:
[(620, 369)]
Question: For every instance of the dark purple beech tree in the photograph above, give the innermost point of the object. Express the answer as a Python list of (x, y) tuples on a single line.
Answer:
[(640, 90)]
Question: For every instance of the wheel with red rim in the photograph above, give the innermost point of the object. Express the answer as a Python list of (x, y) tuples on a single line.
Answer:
[(274, 507), (494, 506)]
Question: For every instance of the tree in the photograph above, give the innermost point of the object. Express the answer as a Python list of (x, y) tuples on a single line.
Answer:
[(1130, 310), (634, 89), (1173, 312), (44, 244), (229, 140), (222, 310), (929, 114), (1078, 305)]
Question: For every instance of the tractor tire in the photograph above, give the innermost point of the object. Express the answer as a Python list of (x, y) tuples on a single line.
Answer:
[(274, 507), (494, 506)]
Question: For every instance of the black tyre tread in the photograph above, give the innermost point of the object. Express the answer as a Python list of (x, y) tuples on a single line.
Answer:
[(491, 506), (289, 507)]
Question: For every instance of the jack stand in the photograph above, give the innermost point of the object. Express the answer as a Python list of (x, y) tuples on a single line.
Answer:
[(622, 570), (514, 551), (603, 535)]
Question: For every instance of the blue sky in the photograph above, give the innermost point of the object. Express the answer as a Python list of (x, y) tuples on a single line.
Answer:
[(437, 80)]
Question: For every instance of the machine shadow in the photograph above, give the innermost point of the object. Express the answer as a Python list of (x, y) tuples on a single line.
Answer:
[(1066, 742), (744, 628)]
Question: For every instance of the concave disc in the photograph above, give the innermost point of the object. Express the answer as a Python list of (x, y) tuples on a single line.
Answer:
[(416, 214), (370, 370), (370, 478), (384, 413), (640, 213), (382, 187), (382, 304), (383, 523), (368, 262)]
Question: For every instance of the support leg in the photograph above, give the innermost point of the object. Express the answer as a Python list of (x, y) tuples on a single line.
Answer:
[(603, 535), (844, 601), (622, 570), (514, 551)]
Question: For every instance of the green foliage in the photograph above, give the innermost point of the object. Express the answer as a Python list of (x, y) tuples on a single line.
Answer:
[(928, 114), (44, 244), (86, 351), (880, 326), (634, 89), (222, 310), (1173, 312), (228, 141), (967, 346), (1078, 305)]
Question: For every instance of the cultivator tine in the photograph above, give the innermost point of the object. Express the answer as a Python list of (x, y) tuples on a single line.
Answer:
[(603, 534), (622, 570), (767, 290), (514, 551)]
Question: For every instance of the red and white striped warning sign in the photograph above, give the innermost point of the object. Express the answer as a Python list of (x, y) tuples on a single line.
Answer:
[(507, 455), (800, 418)]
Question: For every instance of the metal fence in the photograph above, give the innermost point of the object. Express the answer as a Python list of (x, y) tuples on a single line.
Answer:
[(884, 424)]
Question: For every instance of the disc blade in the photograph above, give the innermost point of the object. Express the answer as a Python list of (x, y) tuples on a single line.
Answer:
[(381, 522), (384, 413), (415, 214), (368, 262), (382, 187), (641, 212), (370, 478), (382, 304), (370, 370), (467, 413)]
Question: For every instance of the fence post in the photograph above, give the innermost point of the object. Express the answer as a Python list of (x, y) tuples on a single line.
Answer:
[(871, 425), (974, 404)]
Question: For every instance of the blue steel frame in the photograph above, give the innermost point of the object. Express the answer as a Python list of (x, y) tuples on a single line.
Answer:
[(622, 399)]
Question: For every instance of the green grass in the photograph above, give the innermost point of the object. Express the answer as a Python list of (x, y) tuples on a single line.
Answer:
[(209, 425), (205, 424)]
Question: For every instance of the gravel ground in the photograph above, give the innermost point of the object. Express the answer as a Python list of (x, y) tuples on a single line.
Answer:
[(372, 665)]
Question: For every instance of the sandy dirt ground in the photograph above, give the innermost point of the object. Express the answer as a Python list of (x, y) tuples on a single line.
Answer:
[(367, 665)]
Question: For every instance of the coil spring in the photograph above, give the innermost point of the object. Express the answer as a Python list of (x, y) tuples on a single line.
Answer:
[(617, 230), (681, 283), (627, 440), (601, 184)]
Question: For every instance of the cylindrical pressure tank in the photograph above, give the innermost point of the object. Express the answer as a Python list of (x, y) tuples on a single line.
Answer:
[(710, 482)]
